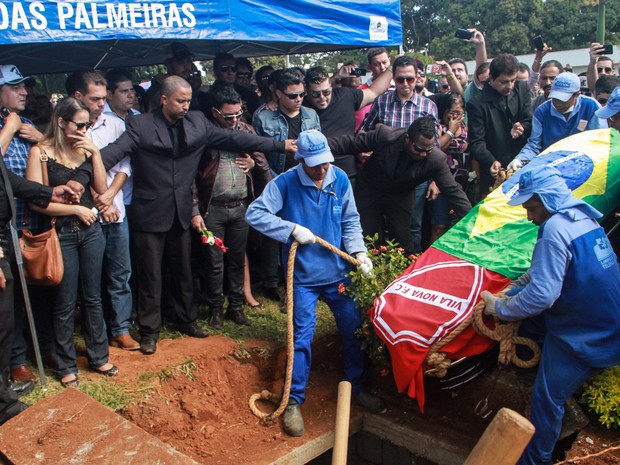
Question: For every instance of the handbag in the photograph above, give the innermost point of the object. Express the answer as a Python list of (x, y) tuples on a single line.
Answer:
[(41, 253)]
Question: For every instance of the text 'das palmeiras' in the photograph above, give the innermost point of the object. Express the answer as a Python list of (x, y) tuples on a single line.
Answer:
[(428, 296)]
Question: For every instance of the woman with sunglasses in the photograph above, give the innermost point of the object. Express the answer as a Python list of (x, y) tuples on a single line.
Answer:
[(64, 148)]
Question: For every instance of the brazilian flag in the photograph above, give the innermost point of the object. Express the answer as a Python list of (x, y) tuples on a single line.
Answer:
[(499, 237)]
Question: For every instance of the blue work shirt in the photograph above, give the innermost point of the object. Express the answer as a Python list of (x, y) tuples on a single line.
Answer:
[(330, 213)]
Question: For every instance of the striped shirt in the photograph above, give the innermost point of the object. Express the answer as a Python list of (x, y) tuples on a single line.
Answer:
[(389, 110)]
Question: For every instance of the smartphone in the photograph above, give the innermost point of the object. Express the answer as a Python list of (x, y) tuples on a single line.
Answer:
[(433, 69), (538, 43), (608, 49), (358, 72), (464, 34)]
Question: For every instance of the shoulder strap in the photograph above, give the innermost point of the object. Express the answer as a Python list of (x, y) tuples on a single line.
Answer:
[(43, 157)]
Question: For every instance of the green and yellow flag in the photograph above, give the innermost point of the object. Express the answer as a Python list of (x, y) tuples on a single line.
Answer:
[(499, 237)]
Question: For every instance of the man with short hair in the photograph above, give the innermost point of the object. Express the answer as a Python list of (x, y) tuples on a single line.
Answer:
[(336, 107), (568, 298), (121, 96), (90, 87), (567, 112), (549, 70), (289, 120), (399, 108), (17, 136), (225, 70), (223, 189), (165, 149), (245, 70), (378, 62), (499, 119), (386, 185), (599, 64), (312, 198), (605, 85)]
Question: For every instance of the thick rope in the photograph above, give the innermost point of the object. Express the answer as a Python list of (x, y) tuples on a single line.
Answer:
[(270, 418)]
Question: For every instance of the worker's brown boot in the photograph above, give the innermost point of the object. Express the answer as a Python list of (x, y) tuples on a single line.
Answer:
[(292, 419)]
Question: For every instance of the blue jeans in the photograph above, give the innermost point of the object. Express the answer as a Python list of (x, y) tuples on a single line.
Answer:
[(116, 274), (559, 375), (348, 320), (82, 254)]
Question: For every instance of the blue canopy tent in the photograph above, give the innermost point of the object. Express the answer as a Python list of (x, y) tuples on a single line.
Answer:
[(51, 36)]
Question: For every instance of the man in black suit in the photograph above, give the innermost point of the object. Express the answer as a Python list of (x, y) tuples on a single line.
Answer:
[(165, 149), (13, 185)]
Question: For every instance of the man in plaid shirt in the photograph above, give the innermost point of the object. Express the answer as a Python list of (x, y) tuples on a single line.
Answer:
[(17, 135)]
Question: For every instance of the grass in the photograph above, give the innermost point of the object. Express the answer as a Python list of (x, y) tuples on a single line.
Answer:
[(268, 324)]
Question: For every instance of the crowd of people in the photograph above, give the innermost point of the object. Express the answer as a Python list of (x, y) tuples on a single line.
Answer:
[(239, 160)]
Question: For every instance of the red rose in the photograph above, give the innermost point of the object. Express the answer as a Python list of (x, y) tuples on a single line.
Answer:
[(204, 239), (341, 288), (383, 248)]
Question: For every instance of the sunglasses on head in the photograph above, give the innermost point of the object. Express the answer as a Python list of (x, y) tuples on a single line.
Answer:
[(422, 150), (229, 117), (227, 68), (402, 79), (607, 70), (294, 96), (421, 74), (244, 75), (81, 126), (318, 93)]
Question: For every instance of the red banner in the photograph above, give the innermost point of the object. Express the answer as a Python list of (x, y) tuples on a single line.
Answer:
[(423, 306)]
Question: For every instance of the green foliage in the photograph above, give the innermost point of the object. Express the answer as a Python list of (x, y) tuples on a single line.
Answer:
[(389, 261), (107, 393), (602, 396)]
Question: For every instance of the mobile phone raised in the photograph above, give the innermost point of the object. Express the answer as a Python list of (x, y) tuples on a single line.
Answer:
[(433, 69), (539, 43), (464, 34), (358, 72), (607, 49)]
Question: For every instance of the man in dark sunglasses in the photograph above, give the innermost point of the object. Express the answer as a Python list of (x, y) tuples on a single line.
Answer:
[(599, 65), (225, 68), (336, 107), (386, 184)]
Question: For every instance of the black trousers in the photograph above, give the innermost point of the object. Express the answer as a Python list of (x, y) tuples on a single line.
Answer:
[(154, 252), (7, 395)]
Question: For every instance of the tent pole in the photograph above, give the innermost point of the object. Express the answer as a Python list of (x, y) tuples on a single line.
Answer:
[(106, 54)]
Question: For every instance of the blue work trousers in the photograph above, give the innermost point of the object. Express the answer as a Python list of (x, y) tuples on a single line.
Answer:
[(348, 320)]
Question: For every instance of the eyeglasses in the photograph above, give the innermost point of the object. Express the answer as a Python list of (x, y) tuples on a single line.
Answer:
[(318, 93), (422, 150), (602, 100), (608, 70), (244, 75), (80, 126), (402, 79), (229, 117), (421, 74), (456, 113), (227, 68), (297, 95)]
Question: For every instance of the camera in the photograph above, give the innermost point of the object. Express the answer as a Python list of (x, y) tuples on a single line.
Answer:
[(358, 72), (538, 43), (433, 69), (464, 34)]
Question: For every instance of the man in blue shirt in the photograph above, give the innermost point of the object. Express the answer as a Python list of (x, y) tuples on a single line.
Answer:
[(316, 197), (572, 290), (564, 114)]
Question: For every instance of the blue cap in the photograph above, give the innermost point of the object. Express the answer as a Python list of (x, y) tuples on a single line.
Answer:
[(312, 146), (536, 181), (613, 106), (564, 86)]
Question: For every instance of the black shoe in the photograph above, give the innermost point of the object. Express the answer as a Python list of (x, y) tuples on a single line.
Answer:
[(12, 411), (237, 315), (292, 419), (272, 293), (148, 346), (23, 388), (371, 403), (192, 330), (217, 318)]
